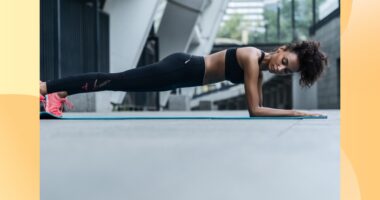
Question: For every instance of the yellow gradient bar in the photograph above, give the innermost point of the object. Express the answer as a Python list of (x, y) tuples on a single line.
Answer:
[(19, 147), (19, 122), (360, 68), (19, 51)]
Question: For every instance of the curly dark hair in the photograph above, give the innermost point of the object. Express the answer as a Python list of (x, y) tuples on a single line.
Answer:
[(312, 60)]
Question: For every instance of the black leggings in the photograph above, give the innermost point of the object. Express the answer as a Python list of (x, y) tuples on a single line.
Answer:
[(175, 71)]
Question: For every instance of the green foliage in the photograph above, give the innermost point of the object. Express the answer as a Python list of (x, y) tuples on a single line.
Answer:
[(232, 27)]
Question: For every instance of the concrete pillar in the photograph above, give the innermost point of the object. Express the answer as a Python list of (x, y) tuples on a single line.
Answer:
[(189, 26), (305, 98), (208, 26), (177, 25), (130, 23), (176, 28), (205, 31)]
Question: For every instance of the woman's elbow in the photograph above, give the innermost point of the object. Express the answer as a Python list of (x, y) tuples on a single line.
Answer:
[(254, 112)]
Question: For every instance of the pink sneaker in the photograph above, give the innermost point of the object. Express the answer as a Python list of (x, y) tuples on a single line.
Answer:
[(54, 104), (42, 103)]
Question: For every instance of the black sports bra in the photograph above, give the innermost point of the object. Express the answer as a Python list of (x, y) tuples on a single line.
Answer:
[(233, 71)]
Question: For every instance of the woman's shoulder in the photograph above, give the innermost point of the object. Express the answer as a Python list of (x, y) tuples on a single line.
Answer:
[(248, 54)]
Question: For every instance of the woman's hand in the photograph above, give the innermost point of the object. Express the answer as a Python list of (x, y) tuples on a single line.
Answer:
[(299, 113)]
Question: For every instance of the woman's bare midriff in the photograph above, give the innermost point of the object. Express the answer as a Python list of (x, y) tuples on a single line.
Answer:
[(215, 65)]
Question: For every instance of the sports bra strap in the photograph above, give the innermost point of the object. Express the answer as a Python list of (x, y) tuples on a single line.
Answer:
[(261, 57)]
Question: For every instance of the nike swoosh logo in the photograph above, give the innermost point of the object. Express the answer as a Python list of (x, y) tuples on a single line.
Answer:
[(188, 60)]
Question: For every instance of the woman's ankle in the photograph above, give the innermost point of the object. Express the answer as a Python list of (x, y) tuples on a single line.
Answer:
[(62, 94), (43, 89)]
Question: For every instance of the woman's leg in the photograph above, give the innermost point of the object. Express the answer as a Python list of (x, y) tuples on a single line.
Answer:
[(175, 71), (43, 90)]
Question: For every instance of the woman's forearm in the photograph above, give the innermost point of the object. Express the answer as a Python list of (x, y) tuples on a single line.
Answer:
[(265, 111)]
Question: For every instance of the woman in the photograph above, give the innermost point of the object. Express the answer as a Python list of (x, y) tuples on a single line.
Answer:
[(238, 65)]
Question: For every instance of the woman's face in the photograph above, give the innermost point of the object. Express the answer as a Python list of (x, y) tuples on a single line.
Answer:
[(283, 62)]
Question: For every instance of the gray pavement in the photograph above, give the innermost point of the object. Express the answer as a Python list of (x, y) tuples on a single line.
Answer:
[(190, 159)]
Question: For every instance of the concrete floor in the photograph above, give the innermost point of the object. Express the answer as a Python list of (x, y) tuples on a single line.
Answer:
[(190, 159)]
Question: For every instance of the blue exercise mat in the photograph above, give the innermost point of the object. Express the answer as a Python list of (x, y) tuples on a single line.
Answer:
[(46, 115)]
